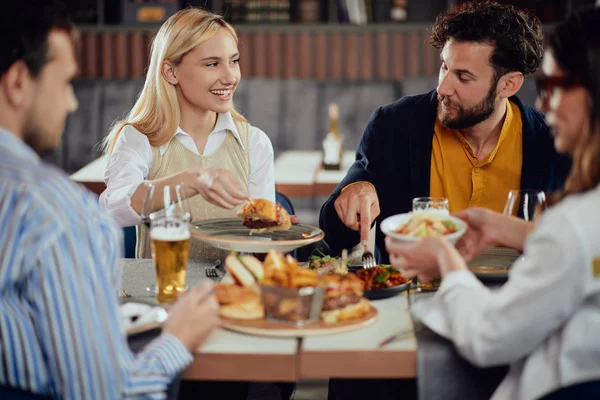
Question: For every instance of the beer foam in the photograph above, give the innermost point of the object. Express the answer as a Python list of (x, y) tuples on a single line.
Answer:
[(169, 234)]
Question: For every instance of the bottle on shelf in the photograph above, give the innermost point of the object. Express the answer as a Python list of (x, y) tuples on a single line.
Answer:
[(332, 144)]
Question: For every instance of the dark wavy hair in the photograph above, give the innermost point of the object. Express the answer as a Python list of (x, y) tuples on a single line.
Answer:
[(575, 45), (24, 29), (516, 35)]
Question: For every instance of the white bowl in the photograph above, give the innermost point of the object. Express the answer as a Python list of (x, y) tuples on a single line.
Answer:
[(390, 224)]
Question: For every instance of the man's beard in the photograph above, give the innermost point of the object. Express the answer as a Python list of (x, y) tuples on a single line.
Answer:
[(469, 117)]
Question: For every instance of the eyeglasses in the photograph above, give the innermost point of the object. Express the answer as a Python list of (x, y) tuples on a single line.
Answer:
[(547, 84)]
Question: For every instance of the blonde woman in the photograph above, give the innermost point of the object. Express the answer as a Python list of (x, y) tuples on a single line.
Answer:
[(184, 129)]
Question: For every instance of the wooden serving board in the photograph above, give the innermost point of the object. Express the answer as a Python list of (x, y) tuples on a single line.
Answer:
[(264, 327)]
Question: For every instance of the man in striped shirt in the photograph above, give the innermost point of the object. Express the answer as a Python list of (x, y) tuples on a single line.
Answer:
[(60, 335)]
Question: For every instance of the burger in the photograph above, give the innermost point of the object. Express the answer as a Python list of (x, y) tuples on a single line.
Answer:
[(245, 270), (239, 302), (343, 299), (262, 215)]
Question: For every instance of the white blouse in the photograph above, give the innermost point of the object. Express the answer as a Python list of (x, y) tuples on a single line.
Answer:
[(545, 321), (129, 164)]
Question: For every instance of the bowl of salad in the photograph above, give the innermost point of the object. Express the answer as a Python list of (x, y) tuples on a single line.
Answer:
[(414, 226)]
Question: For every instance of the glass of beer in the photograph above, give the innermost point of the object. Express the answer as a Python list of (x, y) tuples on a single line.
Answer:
[(434, 205), (170, 240)]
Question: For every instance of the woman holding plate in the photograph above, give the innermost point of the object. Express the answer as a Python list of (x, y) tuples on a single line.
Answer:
[(545, 320), (184, 129)]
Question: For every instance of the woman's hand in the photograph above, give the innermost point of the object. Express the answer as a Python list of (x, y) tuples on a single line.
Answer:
[(418, 258), (427, 258), (220, 187), (482, 231)]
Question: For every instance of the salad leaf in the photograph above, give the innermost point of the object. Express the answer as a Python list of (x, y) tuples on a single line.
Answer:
[(449, 224), (422, 232), (381, 278)]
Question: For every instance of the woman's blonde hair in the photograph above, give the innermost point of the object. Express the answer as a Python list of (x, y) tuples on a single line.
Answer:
[(156, 112)]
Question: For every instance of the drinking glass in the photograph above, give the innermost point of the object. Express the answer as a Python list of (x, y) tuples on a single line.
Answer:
[(525, 204), (433, 205), (167, 215)]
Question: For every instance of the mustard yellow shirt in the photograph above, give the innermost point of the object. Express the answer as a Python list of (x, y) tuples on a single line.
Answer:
[(466, 182)]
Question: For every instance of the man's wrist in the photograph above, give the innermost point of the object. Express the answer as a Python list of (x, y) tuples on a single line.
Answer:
[(356, 183)]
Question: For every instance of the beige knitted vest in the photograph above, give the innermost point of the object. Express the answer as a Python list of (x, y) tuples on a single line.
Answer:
[(230, 155)]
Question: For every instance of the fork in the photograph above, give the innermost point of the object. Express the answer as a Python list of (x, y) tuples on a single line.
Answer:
[(367, 259), (212, 272)]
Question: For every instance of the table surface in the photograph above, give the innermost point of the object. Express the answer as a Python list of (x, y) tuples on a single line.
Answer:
[(230, 355)]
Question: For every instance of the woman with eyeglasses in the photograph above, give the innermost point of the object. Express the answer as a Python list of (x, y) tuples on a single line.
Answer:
[(545, 321)]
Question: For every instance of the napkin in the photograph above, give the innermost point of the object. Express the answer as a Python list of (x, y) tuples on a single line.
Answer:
[(430, 312), (138, 315)]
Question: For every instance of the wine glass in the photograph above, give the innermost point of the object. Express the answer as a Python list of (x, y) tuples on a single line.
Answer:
[(433, 205), (168, 202), (525, 204)]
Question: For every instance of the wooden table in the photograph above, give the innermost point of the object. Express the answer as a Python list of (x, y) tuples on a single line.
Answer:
[(234, 356), (297, 174), (356, 354)]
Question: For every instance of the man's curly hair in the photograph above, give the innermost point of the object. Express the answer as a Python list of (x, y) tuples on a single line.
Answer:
[(516, 35)]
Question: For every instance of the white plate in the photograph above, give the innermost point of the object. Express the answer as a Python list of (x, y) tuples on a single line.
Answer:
[(231, 234), (139, 317), (390, 224), (494, 264)]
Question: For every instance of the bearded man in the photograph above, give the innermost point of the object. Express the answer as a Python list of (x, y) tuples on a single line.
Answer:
[(471, 140)]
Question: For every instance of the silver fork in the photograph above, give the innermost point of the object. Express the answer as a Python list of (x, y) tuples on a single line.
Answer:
[(368, 260), (212, 272)]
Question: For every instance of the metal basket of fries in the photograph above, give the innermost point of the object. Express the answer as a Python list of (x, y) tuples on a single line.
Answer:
[(290, 306), (291, 295)]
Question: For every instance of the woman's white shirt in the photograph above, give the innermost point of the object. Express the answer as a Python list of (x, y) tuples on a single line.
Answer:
[(545, 320), (129, 164)]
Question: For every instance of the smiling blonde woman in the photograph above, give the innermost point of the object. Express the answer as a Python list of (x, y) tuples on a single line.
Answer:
[(184, 129)]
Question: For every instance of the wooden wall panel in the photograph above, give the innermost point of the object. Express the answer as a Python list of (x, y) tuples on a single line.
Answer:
[(305, 56), (290, 51), (138, 66), (260, 56), (414, 53), (108, 56), (91, 56), (382, 59), (335, 54), (388, 55), (320, 56), (275, 54), (121, 56), (366, 55), (399, 56), (350, 60)]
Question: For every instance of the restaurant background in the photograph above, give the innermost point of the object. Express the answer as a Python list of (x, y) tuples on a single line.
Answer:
[(297, 57)]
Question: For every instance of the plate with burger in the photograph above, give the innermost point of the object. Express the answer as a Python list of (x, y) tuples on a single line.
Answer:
[(261, 226), (282, 299)]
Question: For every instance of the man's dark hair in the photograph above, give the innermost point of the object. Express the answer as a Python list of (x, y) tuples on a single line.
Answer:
[(516, 35), (24, 29)]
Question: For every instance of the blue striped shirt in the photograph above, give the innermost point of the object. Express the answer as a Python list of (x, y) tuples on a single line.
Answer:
[(60, 272)]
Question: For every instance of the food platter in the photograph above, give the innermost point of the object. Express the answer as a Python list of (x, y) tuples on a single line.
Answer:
[(264, 327), (494, 263), (231, 234), (385, 291)]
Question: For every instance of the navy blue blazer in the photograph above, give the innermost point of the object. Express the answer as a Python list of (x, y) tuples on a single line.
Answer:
[(394, 154)]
